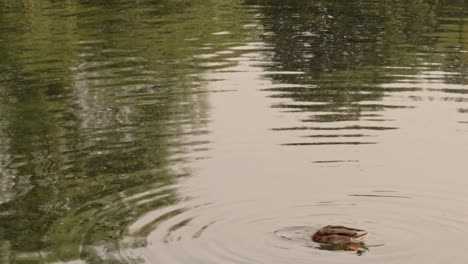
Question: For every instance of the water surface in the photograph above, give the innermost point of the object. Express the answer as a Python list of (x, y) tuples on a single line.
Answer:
[(228, 131)]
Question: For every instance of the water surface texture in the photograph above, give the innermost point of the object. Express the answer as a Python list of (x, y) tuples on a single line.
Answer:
[(228, 131)]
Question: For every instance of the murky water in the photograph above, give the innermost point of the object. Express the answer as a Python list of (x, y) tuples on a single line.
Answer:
[(173, 131)]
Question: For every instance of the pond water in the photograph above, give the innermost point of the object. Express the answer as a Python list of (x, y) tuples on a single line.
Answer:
[(228, 131)]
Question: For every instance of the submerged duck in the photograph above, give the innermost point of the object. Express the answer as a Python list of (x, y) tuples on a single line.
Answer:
[(339, 235)]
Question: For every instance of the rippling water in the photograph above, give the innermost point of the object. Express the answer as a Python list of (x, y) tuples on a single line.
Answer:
[(228, 131)]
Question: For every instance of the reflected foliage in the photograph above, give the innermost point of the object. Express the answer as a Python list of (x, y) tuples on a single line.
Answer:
[(101, 103), (346, 52)]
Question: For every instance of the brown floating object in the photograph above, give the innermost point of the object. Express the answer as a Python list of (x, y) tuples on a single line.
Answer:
[(339, 235)]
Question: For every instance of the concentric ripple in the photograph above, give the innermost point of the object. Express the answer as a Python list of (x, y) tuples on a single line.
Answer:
[(258, 232)]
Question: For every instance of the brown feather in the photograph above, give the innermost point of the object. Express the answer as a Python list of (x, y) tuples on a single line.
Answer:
[(338, 235)]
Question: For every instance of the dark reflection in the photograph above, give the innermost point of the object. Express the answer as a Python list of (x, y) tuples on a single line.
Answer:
[(345, 52), (360, 248), (102, 111), (334, 161), (329, 143), (379, 196)]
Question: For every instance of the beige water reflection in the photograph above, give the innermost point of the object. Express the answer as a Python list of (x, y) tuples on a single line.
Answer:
[(229, 131), (407, 190), (270, 182)]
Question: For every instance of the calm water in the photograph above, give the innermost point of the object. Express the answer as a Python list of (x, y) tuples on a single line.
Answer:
[(228, 131)]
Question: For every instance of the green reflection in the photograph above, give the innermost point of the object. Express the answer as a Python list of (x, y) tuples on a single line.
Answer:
[(348, 50), (101, 105)]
